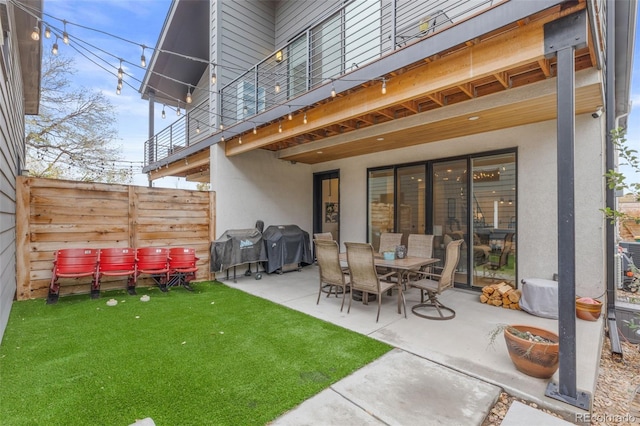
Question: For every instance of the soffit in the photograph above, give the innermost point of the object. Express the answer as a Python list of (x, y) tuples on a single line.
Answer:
[(30, 53), (185, 32)]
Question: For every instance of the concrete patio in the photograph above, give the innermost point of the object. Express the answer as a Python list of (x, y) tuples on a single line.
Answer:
[(459, 348)]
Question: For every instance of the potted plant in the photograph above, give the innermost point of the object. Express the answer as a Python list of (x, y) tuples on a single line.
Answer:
[(588, 309), (533, 350)]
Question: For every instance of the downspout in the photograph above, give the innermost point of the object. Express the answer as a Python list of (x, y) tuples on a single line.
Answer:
[(610, 124)]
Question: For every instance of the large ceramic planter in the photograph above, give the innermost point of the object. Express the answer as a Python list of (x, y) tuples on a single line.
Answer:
[(588, 311), (535, 359)]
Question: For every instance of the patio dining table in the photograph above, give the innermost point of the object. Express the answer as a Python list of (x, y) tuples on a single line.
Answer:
[(400, 266)]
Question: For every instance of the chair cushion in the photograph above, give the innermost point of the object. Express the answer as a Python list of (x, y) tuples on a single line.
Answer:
[(425, 284)]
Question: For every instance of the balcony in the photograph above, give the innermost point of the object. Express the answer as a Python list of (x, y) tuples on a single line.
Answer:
[(334, 72)]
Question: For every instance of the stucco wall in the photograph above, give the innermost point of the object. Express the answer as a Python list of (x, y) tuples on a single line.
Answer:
[(257, 186), (537, 197)]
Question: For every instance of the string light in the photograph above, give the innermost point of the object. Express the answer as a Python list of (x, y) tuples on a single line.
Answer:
[(65, 35), (198, 127), (240, 140), (255, 130), (384, 86), (164, 114), (221, 126), (279, 127), (119, 83), (143, 60), (189, 99), (120, 71), (222, 138), (118, 90), (35, 34), (54, 48)]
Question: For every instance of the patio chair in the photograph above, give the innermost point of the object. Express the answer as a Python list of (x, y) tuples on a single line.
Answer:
[(364, 277), (389, 241), (117, 262), (434, 284), (182, 266), (323, 236), (332, 275), (154, 262), (420, 245), (73, 263), (493, 266)]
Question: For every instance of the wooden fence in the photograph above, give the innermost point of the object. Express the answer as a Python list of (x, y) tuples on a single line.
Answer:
[(56, 214)]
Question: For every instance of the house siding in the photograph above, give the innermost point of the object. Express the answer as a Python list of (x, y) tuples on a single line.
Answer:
[(12, 153), (292, 17)]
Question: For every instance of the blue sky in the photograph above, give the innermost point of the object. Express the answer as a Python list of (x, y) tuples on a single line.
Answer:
[(141, 21)]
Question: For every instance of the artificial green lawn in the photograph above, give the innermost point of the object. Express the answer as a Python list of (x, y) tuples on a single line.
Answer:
[(212, 357)]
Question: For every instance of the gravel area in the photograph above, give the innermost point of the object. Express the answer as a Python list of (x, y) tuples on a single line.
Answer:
[(618, 383)]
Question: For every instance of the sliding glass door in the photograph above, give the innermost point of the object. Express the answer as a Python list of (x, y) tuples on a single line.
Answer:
[(472, 198)]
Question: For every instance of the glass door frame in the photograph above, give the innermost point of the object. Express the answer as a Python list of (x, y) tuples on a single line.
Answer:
[(429, 200), (318, 212)]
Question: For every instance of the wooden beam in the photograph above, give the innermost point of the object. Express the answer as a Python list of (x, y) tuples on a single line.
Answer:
[(511, 49), (437, 98), (411, 106), (503, 78), (468, 90), (545, 66), (181, 166)]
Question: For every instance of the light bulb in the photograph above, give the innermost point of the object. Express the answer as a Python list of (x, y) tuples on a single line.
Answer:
[(164, 114), (120, 71), (119, 83), (118, 91), (333, 91), (189, 99), (279, 128), (143, 61), (240, 140), (47, 32), (277, 87), (35, 34), (304, 120), (65, 36), (255, 130), (221, 126), (222, 138), (214, 78), (54, 49), (198, 128), (290, 117), (384, 86)]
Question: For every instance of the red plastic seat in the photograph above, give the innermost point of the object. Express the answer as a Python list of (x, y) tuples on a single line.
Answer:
[(153, 261), (118, 262), (182, 266), (73, 263)]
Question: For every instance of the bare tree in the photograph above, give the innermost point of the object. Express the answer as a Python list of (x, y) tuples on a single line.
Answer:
[(72, 137)]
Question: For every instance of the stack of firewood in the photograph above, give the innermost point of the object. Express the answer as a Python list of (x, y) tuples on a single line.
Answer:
[(501, 294)]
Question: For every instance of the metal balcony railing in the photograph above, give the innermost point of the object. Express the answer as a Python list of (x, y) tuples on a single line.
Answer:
[(189, 129), (360, 32)]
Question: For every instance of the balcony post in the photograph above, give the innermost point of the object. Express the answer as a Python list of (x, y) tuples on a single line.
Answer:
[(152, 100), (394, 4), (561, 38)]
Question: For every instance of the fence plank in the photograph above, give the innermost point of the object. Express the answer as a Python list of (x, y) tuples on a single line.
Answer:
[(57, 214)]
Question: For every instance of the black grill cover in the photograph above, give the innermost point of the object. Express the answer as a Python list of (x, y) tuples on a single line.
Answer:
[(286, 244), (237, 247)]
